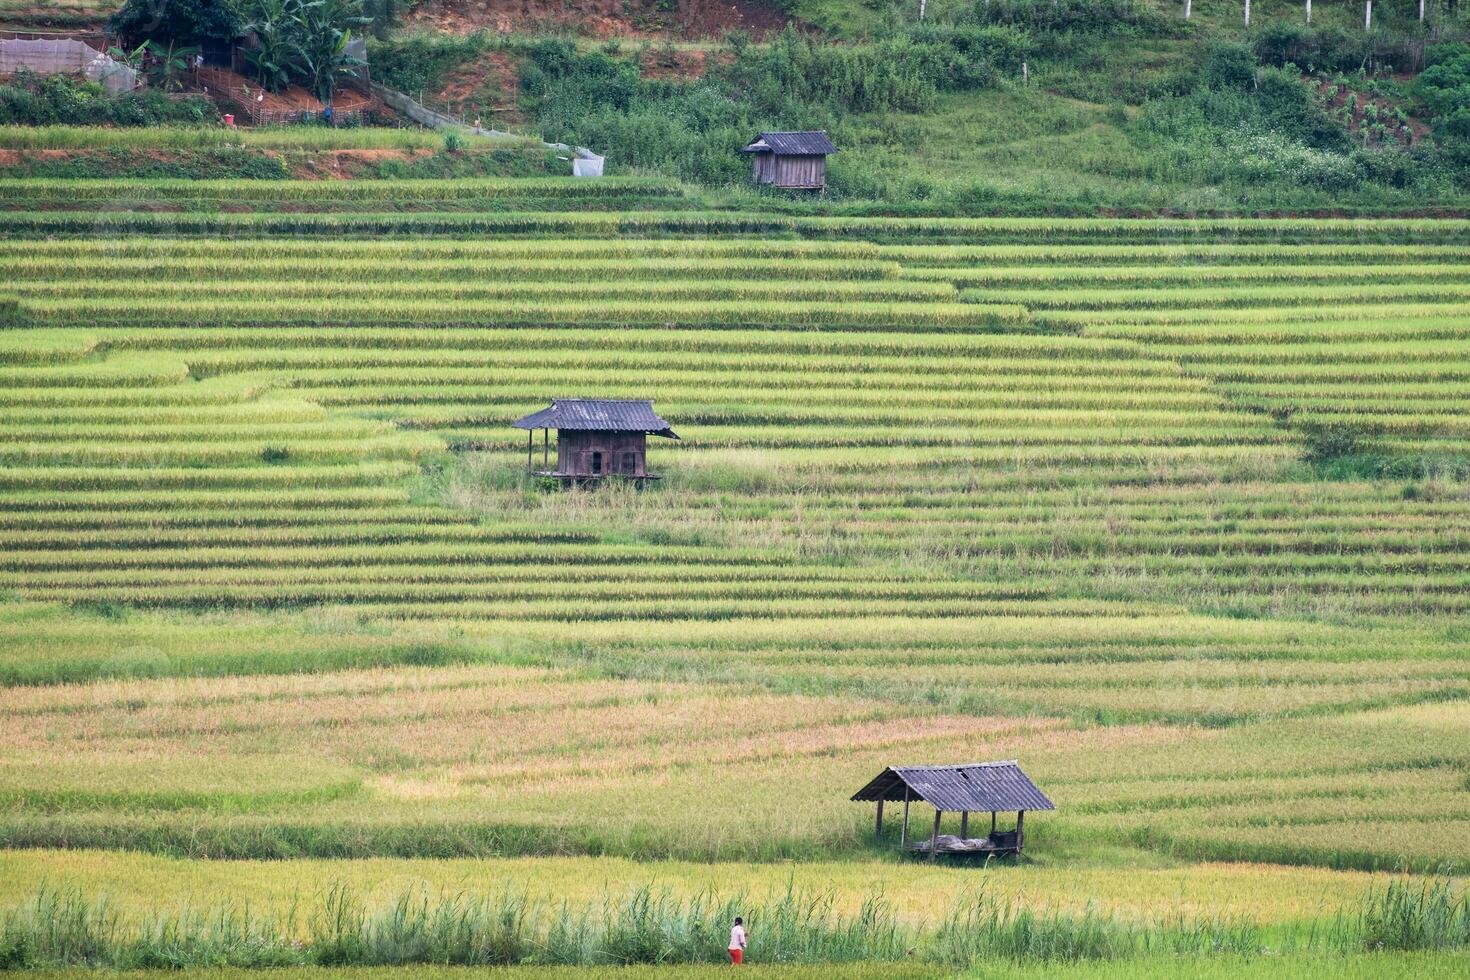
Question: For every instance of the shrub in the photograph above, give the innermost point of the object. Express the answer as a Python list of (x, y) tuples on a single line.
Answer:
[(1329, 441), (1228, 67), (29, 99), (1066, 15)]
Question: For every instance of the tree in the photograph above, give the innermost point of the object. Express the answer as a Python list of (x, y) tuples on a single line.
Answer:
[(274, 59), (166, 64), (181, 21), (324, 34)]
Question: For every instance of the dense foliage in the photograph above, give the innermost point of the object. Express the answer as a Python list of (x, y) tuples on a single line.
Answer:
[(186, 21), (692, 129), (36, 100), (1444, 89)]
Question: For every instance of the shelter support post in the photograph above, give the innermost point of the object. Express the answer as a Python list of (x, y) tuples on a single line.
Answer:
[(878, 827), (530, 441), (992, 823), (903, 835), (965, 823), (1020, 830), (545, 448), (934, 837)]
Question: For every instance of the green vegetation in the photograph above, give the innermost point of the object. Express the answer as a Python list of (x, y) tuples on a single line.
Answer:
[(34, 100), (64, 929), (1123, 105), (1039, 436), (1209, 500)]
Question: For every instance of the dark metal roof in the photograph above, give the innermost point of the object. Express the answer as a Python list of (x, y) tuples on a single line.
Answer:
[(976, 786), (598, 414), (809, 143)]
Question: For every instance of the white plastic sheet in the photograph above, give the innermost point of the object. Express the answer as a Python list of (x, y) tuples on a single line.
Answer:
[(63, 56)]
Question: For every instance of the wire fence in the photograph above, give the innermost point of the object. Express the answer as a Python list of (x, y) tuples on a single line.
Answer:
[(252, 103)]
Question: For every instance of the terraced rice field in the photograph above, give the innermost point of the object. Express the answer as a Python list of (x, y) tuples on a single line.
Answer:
[(279, 584)]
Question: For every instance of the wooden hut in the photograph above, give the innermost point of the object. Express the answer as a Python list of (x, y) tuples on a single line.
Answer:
[(792, 160), (595, 438), (964, 789)]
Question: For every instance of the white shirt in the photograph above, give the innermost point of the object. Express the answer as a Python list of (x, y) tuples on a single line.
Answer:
[(737, 937)]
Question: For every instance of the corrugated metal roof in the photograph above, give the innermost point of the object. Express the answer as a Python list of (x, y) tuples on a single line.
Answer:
[(598, 414), (975, 786), (807, 143)]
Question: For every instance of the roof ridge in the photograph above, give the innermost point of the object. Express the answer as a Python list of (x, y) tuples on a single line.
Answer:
[(965, 765)]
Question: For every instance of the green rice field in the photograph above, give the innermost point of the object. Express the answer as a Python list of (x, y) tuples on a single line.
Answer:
[(1174, 511)]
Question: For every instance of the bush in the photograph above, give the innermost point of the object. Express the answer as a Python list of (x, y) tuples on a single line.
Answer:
[(1330, 441), (1444, 87), (186, 21), (1228, 67), (1056, 16), (29, 99)]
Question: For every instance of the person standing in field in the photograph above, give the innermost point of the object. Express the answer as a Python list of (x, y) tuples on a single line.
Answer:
[(737, 942)]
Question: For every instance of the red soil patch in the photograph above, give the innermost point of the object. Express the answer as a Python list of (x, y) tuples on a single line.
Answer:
[(672, 63), (1358, 121), (487, 88)]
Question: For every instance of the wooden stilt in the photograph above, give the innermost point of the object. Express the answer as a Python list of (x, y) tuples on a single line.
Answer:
[(1020, 830), (545, 448), (903, 835), (878, 828), (934, 837), (965, 823), (992, 823), (530, 442)]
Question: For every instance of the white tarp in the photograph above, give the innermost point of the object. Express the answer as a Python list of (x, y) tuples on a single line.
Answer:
[(587, 166), (63, 56)]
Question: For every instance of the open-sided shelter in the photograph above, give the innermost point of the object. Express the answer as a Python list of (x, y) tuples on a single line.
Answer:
[(595, 438), (975, 787)]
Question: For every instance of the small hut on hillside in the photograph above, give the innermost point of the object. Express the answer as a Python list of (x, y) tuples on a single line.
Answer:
[(972, 788), (797, 161), (595, 438)]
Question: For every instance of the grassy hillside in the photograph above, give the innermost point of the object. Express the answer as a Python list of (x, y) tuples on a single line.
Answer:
[(1008, 105)]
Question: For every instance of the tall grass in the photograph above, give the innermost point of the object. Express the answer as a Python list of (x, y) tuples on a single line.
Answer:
[(1416, 915), (63, 928)]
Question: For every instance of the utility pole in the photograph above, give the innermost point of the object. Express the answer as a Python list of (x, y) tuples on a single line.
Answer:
[(921, 9), (1309, 12), (1247, 13), (1368, 15), (1188, 8)]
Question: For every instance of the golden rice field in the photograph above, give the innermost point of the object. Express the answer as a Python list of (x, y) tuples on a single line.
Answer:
[(282, 608)]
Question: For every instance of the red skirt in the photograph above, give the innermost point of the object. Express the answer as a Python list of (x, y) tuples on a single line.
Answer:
[(737, 956)]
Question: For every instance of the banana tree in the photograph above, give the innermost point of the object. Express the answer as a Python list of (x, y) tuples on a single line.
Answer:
[(166, 64), (273, 59), (325, 35)]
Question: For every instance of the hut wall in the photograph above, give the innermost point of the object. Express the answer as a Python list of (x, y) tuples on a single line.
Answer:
[(763, 167), (579, 453), (799, 171)]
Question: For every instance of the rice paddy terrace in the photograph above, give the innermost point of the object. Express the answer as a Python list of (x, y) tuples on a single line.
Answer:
[(993, 487)]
